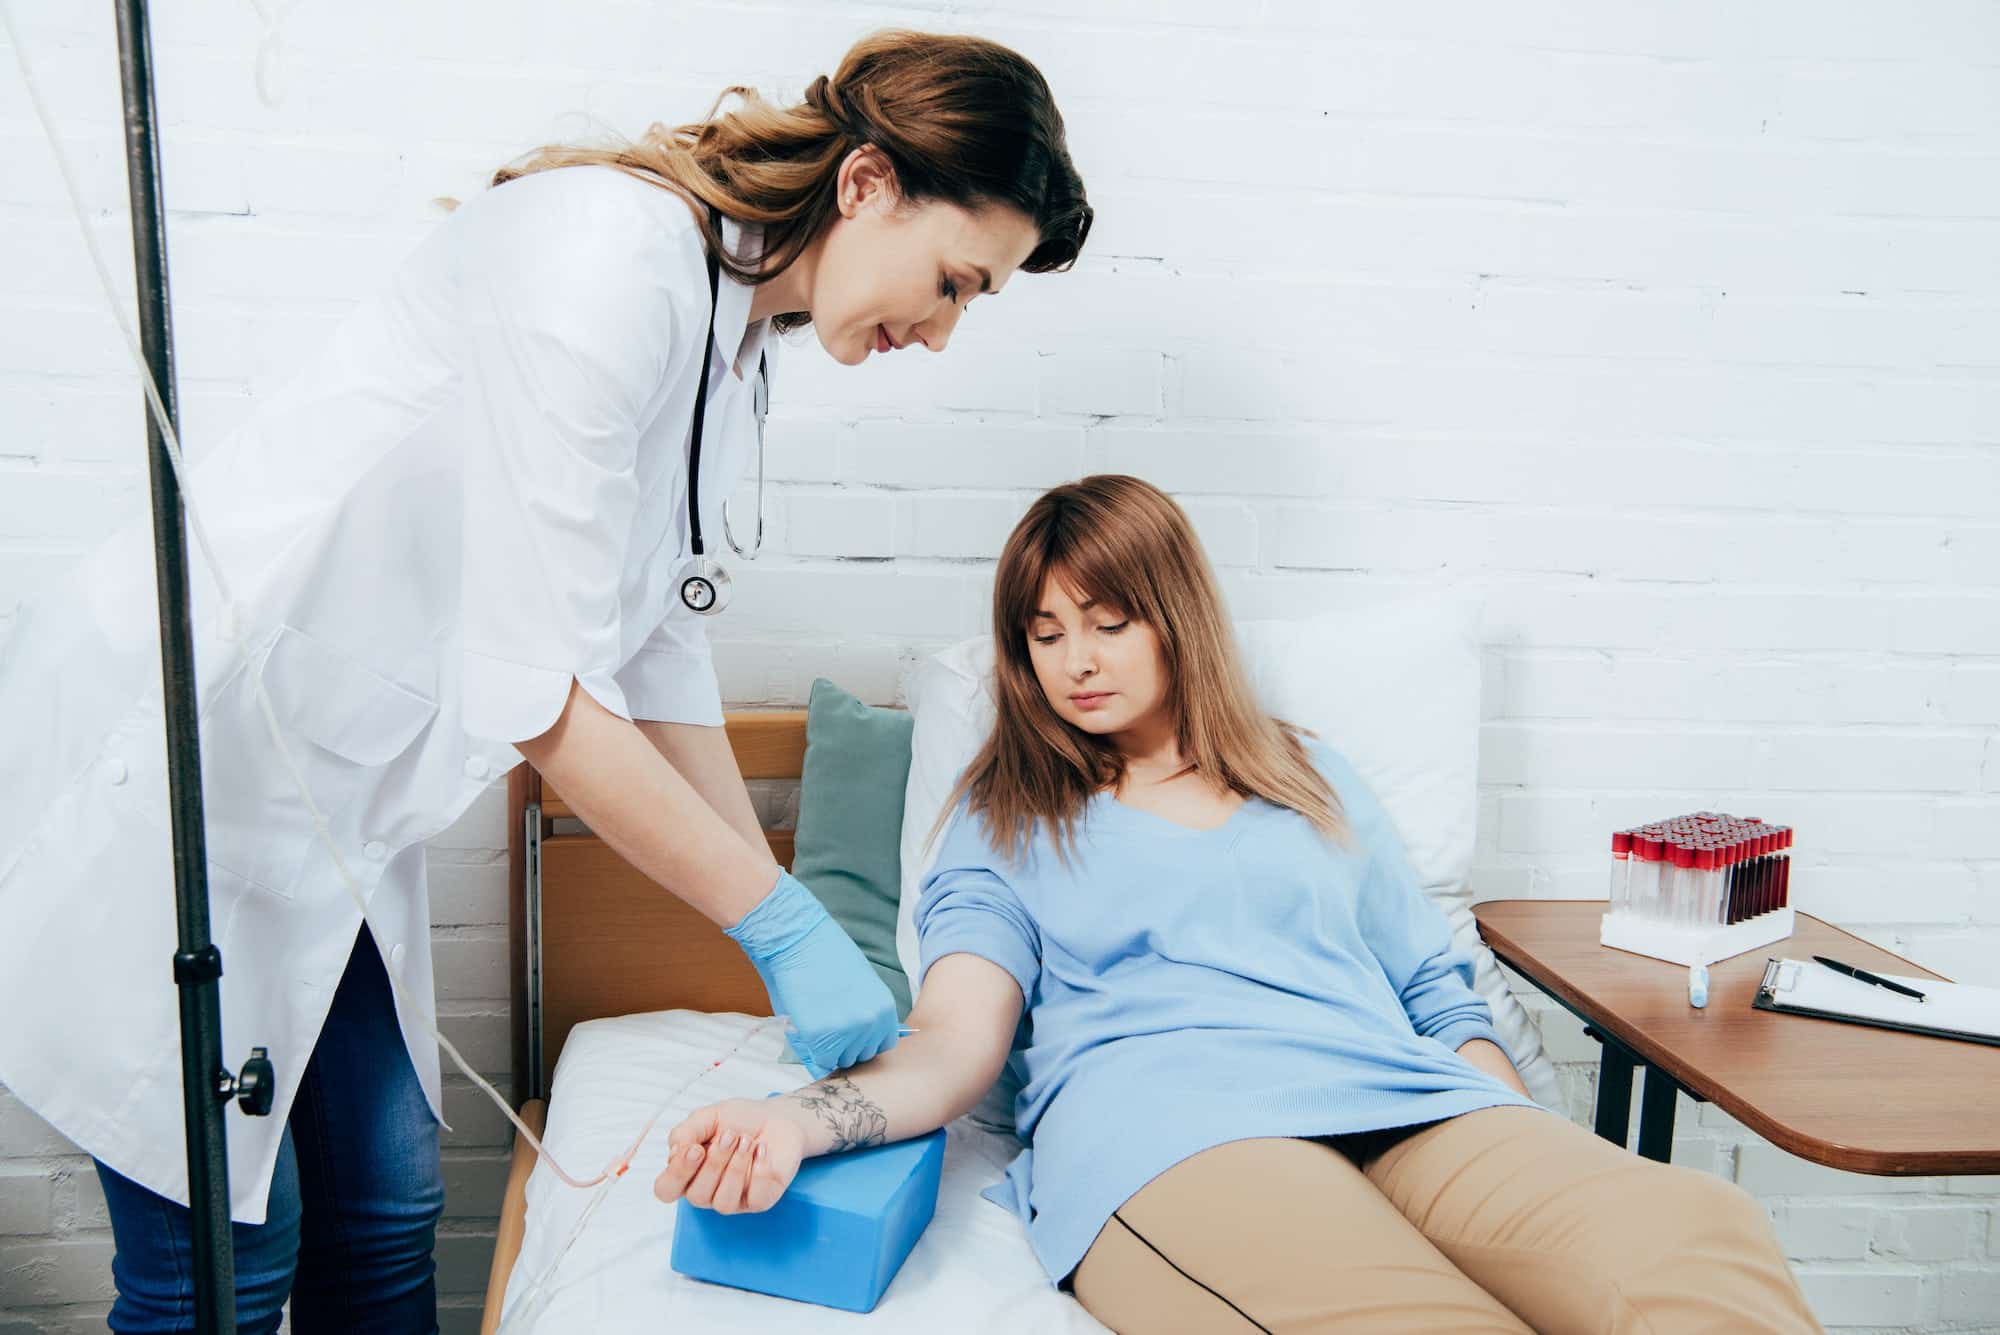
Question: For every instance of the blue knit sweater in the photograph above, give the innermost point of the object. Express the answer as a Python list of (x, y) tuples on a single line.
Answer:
[(1187, 988)]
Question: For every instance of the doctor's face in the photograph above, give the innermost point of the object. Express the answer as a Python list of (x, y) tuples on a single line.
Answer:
[(1101, 670), (892, 275)]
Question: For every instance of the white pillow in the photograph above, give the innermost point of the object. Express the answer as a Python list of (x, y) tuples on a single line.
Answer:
[(951, 701), (1394, 687)]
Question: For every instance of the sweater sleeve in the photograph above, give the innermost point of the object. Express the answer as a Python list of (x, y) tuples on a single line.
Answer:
[(1408, 933), (967, 907)]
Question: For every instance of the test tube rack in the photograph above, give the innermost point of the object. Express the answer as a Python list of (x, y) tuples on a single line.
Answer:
[(1699, 888)]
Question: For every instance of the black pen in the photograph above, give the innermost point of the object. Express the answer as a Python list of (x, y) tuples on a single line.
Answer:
[(1868, 977)]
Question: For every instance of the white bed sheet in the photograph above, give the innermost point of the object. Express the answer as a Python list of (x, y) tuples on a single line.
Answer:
[(972, 1271)]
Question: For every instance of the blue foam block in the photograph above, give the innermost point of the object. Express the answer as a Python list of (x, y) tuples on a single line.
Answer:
[(836, 1237)]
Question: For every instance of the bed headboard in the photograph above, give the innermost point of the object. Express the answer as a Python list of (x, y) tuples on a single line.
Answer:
[(589, 936)]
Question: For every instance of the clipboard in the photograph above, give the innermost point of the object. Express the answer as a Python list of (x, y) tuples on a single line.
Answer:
[(1948, 1010)]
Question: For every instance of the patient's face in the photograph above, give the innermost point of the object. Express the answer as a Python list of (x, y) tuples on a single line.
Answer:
[(1101, 670)]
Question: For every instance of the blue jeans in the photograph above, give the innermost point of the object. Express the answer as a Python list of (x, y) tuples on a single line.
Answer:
[(354, 1202)]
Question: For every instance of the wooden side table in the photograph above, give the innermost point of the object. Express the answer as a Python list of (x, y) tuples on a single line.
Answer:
[(1845, 1095)]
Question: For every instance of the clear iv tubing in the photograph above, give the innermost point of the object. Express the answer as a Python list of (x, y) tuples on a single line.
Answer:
[(411, 1005), (528, 1306)]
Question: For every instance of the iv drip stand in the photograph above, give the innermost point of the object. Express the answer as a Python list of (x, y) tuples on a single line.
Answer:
[(206, 1085)]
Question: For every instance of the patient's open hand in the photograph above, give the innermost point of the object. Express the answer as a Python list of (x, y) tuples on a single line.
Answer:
[(733, 1157)]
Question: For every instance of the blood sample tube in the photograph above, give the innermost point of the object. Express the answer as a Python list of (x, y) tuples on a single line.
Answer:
[(1686, 889), (1711, 900), (1732, 880), (1752, 867), (1767, 842), (1785, 870), (1670, 900), (1644, 870), (1772, 863), (1621, 870)]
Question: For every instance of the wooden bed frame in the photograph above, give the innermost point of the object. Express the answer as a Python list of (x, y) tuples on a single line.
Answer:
[(588, 937)]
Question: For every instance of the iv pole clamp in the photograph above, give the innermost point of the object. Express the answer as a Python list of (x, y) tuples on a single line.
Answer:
[(206, 1086)]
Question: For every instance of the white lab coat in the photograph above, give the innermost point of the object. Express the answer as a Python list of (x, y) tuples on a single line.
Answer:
[(474, 497)]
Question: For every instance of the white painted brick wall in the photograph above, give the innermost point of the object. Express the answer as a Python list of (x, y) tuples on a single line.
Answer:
[(1674, 328)]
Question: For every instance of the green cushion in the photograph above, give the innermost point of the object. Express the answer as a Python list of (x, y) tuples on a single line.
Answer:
[(848, 846)]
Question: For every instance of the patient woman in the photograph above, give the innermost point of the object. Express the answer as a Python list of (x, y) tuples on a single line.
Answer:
[(1260, 1092)]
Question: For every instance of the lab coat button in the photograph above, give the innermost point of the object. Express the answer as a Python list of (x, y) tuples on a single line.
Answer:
[(396, 958), (475, 767), (376, 849), (114, 772)]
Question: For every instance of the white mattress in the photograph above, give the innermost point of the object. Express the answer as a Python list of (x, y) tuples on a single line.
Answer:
[(972, 1271)]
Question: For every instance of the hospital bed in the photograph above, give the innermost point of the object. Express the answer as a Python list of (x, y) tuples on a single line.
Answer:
[(621, 994)]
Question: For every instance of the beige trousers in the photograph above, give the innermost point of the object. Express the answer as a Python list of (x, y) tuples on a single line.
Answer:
[(1508, 1219)]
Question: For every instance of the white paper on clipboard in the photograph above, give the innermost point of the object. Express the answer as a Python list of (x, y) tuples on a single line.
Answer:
[(1949, 1010)]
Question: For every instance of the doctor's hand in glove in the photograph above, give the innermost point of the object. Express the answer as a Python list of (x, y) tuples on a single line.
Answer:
[(734, 1158), (841, 1011)]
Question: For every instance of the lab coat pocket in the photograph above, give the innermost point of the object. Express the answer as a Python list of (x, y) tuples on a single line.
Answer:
[(341, 720)]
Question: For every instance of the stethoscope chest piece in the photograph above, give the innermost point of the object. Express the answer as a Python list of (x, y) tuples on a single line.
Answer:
[(705, 589)]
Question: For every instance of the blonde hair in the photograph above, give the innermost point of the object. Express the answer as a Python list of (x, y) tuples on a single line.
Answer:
[(1126, 544), (959, 119)]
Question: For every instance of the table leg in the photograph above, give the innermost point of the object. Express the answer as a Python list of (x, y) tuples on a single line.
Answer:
[(1614, 1091), (1656, 1116)]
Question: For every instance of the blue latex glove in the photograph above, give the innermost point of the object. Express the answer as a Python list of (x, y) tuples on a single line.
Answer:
[(841, 1011)]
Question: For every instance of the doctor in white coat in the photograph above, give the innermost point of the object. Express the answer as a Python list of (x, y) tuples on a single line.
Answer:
[(460, 539)]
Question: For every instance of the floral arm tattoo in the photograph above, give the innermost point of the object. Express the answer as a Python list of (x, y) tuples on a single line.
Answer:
[(855, 1122)]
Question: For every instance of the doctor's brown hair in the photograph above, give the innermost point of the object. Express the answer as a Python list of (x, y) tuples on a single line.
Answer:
[(960, 119), (1126, 544)]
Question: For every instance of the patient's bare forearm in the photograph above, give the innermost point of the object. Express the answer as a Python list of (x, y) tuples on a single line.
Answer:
[(916, 1087), (850, 1119)]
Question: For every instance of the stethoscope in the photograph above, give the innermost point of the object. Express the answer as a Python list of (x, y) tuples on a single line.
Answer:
[(706, 590)]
